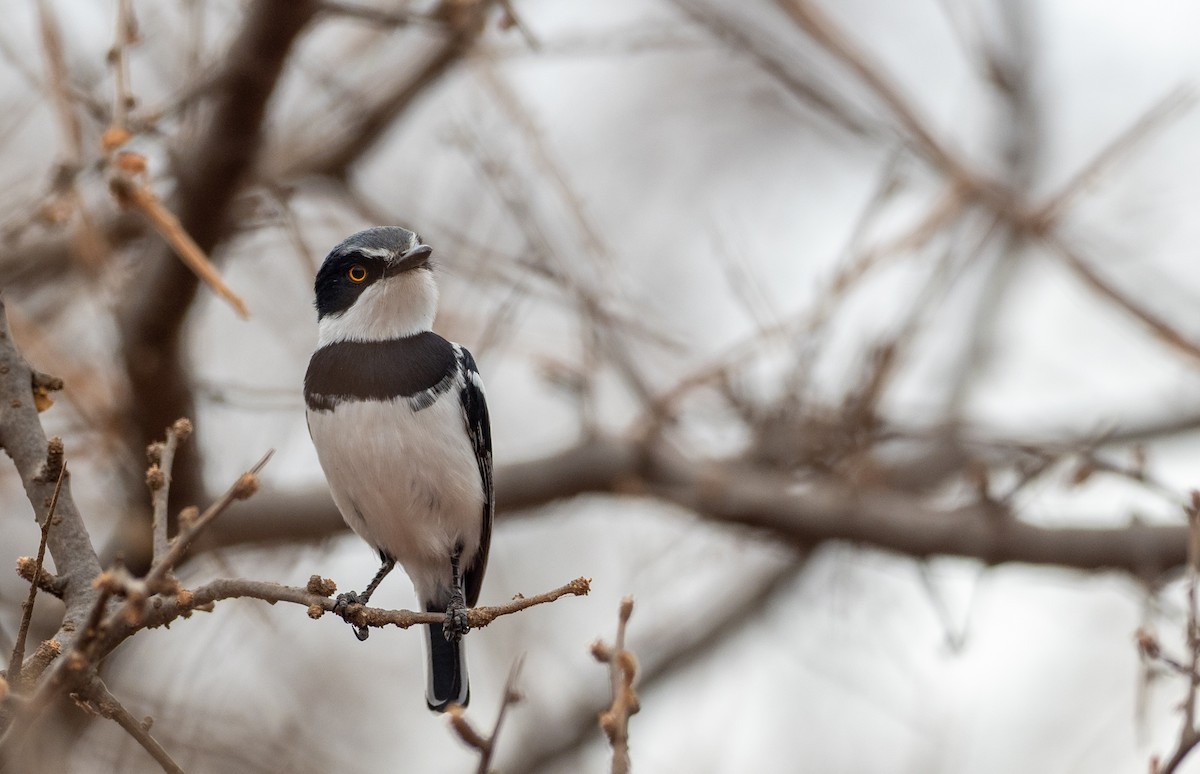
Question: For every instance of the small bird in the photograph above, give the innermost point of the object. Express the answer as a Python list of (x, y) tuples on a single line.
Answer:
[(400, 423)]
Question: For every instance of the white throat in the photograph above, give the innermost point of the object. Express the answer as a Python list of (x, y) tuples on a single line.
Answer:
[(392, 308)]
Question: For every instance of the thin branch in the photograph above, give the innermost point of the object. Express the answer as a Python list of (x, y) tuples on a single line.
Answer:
[(1173, 105), (125, 36), (1158, 326), (486, 746), (731, 30), (681, 644), (464, 23), (103, 630), (622, 668), (189, 529), (137, 196), (1189, 734), (317, 598), (59, 84), (108, 706), (158, 477), (376, 16), (829, 36), (18, 654)]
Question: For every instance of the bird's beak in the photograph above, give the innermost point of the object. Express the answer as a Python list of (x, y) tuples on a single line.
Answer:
[(416, 258)]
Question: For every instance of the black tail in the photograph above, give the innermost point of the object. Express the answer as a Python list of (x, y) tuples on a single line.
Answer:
[(447, 672)]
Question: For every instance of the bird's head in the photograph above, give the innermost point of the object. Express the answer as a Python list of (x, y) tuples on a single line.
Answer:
[(376, 285)]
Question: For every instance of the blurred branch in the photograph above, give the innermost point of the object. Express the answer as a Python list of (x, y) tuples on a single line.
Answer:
[(1189, 734), (1162, 330), (1008, 204), (801, 514), (463, 23), (1173, 104), (375, 16), (681, 645), (58, 82), (486, 745), (137, 196), (622, 667), (733, 32), (210, 169)]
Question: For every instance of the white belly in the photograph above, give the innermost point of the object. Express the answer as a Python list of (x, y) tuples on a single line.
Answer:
[(408, 483)]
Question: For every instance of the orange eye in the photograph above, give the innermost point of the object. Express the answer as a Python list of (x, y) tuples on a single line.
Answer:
[(357, 273)]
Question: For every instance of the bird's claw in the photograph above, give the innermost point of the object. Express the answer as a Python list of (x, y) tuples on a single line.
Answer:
[(456, 624), (342, 606)]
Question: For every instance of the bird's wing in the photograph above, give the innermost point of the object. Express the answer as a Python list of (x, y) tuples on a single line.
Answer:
[(479, 429)]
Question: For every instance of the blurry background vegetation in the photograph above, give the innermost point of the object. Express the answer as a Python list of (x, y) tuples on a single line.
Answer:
[(857, 340)]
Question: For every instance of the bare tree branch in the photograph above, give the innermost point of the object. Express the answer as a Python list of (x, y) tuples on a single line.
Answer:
[(209, 172), (803, 514), (464, 23), (622, 667), (99, 697), (18, 654), (38, 462)]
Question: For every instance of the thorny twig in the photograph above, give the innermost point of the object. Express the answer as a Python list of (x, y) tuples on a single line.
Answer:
[(622, 671)]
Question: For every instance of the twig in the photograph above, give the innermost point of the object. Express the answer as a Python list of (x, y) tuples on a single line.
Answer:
[(135, 195), (682, 643), (101, 633), (126, 34), (1189, 735), (18, 654), (830, 37), (1172, 105), (158, 478), (376, 16), (58, 83), (108, 706), (1162, 329), (622, 671), (486, 746), (45, 580), (189, 529), (317, 598)]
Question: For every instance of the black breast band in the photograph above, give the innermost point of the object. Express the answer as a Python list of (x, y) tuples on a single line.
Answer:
[(377, 370)]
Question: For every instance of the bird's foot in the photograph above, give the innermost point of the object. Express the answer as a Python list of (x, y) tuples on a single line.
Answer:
[(342, 606), (456, 624)]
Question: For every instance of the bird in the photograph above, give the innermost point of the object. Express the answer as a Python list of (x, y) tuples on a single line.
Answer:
[(399, 420)]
